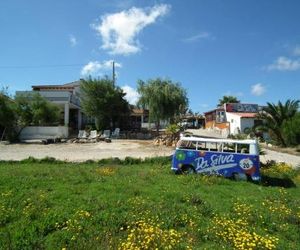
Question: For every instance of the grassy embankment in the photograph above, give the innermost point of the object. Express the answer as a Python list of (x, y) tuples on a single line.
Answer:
[(123, 205)]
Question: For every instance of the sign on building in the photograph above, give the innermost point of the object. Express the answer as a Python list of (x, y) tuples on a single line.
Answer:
[(241, 107)]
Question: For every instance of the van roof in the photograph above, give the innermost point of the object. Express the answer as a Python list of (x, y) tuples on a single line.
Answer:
[(201, 139)]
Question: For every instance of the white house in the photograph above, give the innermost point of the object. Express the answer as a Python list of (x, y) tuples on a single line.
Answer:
[(67, 97)]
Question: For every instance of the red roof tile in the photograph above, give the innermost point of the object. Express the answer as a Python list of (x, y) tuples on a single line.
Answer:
[(244, 115)]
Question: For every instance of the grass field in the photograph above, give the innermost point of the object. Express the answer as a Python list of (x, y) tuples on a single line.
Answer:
[(131, 204)]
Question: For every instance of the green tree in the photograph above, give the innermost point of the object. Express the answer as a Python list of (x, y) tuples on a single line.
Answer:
[(291, 130), (274, 116), (228, 99), (7, 115), (33, 109), (101, 99), (163, 98)]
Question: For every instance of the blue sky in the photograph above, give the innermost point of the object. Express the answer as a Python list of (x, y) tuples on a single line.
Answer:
[(249, 49)]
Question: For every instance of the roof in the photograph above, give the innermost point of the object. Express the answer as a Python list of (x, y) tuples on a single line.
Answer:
[(213, 110), (201, 139), (69, 85), (136, 111), (244, 115)]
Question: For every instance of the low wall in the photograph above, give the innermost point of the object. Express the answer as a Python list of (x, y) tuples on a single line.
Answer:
[(35, 132)]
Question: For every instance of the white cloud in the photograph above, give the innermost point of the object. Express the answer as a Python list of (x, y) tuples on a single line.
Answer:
[(258, 89), (284, 64), (202, 35), (95, 67), (132, 95), (237, 94), (119, 30), (296, 51), (73, 40)]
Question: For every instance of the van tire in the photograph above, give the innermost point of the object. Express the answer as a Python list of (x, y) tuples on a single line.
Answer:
[(188, 169), (239, 177)]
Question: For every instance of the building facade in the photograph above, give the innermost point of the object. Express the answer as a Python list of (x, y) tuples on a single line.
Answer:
[(67, 97), (236, 118)]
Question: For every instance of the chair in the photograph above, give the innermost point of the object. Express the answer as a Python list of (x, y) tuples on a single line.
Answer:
[(93, 134), (106, 134), (82, 134), (116, 133)]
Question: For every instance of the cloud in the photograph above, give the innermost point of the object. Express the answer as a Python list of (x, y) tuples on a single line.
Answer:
[(119, 30), (296, 51), (284, 64), (200, 36), (95, 67), (258, 89), (237, 94), (132, 95), (73, 40)]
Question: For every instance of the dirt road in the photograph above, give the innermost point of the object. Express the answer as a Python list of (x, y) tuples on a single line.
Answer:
[(118, 148), (82, 152)]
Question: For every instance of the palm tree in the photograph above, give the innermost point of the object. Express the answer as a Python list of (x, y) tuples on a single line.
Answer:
[(228, 99), (275, 115)]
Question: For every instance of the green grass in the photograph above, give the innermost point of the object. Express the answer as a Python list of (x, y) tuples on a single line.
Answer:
[(111, 204)]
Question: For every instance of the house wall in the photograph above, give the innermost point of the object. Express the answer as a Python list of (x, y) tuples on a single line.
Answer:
[(163, 125), (214, 124), (36, 132), (235, 123)]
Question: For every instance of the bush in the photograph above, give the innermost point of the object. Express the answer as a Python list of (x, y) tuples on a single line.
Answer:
[(291, 131)]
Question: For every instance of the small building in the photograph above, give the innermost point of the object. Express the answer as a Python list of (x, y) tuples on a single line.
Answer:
[(192, 121), (234, 117), (139, 119)]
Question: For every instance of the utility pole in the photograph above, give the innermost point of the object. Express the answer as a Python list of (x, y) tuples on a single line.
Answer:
[(113, 73)]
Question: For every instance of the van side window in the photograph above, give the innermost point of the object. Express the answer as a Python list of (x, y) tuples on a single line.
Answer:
[(243, 148), (229, 147)]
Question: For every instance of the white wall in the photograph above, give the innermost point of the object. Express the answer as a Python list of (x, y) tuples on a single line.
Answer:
[(235, 122), (35, 132), (163, 124)]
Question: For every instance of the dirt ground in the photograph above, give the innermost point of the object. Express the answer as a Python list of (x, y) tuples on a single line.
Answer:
[(77, 152)]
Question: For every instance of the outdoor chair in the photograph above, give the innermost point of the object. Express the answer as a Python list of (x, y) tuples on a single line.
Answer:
[(82, 134), (93, 134), (106, 134), (116, 133)]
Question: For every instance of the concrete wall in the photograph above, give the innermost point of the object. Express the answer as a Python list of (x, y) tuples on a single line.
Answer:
[(35, 132), (235, 123)]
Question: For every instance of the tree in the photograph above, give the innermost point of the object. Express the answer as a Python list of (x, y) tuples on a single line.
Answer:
[(228, 99), (163, 98), (101, 99), (33, 109), (274, 116), (7, 115), (291, 130)]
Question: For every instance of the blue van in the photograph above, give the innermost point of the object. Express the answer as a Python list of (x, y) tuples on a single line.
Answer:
[(230, 158)]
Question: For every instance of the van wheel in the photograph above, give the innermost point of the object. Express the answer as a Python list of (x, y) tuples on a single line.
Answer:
[(188, 169), (235, 176), (239, 177)]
